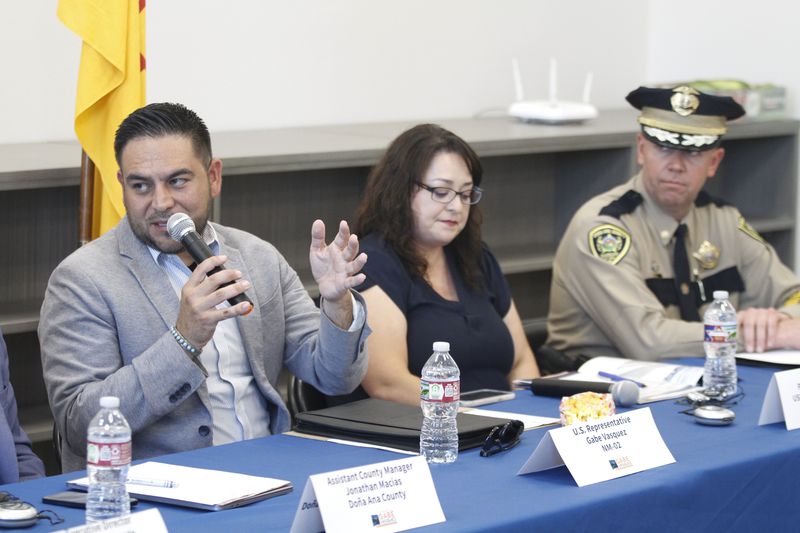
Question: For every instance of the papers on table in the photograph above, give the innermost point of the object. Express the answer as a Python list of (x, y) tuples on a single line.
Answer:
[(662, 381), (149, 521), (780, 358), (213, 490), (530, 421), (358, 444)]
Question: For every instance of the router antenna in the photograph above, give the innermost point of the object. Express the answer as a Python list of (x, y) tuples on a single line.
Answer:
[(587, 87), (553, 80), (517, 79)]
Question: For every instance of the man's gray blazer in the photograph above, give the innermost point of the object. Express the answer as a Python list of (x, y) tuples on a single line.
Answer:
[(104, 330), (17, 460)]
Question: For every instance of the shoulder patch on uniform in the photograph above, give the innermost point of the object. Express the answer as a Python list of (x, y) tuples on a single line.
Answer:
[(794, 299), (623, 205), (609, 243), (748, 229)]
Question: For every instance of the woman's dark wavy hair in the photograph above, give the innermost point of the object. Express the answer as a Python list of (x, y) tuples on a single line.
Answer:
[(385, 207)]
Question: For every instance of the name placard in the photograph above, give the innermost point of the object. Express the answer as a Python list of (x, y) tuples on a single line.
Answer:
[(393, 496), (148, 521), (782, 400), (603, 449)]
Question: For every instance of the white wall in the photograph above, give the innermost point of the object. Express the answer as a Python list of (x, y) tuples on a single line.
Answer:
[(739, 39), (38, 73), (268, 63), (752, 41)]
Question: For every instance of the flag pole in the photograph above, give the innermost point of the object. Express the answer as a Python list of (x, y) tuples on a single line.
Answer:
[(86, 199)]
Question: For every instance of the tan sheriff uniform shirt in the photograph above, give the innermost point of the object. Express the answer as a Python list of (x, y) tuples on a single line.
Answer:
[(613, 292)]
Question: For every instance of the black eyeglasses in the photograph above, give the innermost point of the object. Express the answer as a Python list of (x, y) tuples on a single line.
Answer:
[(445, 195), (502, 438)]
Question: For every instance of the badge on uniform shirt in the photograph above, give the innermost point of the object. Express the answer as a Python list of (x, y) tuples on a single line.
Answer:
[(609, 243), (748, 229), (707, 255)]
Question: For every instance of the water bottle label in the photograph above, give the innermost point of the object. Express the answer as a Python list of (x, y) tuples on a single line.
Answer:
[(108, 453), (440, 391), (720, 333)]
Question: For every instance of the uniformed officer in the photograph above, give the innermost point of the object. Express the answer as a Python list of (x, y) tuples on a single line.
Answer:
[(638, 264)]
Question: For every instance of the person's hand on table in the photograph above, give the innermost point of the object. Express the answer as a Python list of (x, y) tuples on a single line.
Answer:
[(759, 329)]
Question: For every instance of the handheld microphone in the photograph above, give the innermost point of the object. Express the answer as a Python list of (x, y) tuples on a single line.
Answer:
[(181, 228), (625, 393)]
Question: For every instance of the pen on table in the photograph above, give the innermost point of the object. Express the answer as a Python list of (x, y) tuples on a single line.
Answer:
[(519, 384), (167, 484), (614, 377)]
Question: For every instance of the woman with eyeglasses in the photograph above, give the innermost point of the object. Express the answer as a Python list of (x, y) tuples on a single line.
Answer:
[(429, 275)]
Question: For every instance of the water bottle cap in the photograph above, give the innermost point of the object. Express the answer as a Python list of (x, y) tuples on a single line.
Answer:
[(720, 295), (109, 402), (441, 346)]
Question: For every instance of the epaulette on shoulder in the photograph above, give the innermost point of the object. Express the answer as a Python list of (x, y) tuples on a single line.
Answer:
[(623, 205), (703, 199)]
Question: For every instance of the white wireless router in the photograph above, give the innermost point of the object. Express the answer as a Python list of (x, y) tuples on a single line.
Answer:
[(552, 111)]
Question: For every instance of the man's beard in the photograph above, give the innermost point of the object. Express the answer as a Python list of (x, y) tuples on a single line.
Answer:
[(172, 247)]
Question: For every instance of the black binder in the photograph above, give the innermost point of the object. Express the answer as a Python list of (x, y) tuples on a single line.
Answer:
[(387, 423)]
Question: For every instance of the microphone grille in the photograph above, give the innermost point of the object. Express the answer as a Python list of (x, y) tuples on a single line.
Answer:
[(625, 393), (179, 225)]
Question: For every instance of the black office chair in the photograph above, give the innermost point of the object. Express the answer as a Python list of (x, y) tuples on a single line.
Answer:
[(57, 444), (303, 397), (551, 361)]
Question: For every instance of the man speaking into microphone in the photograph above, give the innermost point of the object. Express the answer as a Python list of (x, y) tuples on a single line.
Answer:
[(192, 349)]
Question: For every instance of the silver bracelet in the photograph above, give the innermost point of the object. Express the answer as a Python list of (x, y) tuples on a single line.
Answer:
[(186, 345)]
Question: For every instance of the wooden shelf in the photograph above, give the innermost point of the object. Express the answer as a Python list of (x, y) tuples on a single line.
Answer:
[(37, 421), (535, 325), (19, 318), (520, 261), (769, 225)]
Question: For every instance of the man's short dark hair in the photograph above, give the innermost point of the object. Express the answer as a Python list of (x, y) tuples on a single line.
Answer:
[(160, 119)]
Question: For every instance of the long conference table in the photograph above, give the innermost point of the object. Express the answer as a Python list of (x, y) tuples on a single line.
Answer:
[(741, 477)]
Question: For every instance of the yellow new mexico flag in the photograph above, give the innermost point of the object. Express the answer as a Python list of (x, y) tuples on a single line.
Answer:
[(110, 86)]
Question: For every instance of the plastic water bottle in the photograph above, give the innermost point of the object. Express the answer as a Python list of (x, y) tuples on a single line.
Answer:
[(440, 389), (108, 457), (719, 343)]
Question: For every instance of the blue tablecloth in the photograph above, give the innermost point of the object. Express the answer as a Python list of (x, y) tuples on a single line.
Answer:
[(742, 477)]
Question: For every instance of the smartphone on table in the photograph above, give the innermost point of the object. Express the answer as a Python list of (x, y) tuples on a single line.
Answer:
[(73, 498), (474, 398)]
